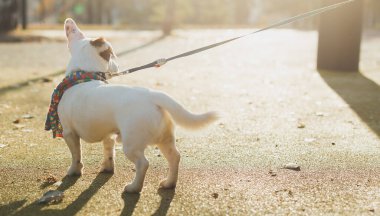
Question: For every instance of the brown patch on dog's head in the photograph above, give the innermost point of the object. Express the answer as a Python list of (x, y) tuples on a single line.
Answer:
[(101, 42), (98, 42), (106, 54)]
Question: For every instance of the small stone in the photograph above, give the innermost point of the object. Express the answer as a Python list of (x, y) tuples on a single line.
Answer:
[(272, 173), (2, 145), (301, 125), (321, 114), (16, 121), (27, 116), (372, 210), (290, 193), (309, 140), (221, 124), (215, 195), (333, 143), (27, 130), (45, 80), (58, 183), (158, 155), (52, 196), (292, 166)]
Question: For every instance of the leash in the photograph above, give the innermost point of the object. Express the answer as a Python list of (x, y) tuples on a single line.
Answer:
[(161, 62)]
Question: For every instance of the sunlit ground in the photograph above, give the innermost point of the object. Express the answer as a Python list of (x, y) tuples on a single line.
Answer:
[(265, 86)]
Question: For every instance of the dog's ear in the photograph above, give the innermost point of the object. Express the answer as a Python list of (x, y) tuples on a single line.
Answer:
[(98, 42), (72, 30)]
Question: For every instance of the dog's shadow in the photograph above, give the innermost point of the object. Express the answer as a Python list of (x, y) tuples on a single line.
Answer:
[(167, 196), (131, 200), (73, 208)]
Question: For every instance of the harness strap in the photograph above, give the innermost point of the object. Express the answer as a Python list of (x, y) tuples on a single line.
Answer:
[(160, 62)]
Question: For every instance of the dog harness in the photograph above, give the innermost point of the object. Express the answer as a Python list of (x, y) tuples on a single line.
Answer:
[(52, 118)]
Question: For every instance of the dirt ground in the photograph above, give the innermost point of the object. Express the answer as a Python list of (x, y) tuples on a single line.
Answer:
[(276, 109)]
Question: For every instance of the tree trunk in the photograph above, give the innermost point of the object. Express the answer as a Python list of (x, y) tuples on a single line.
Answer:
[(169, 21), (8, 15), (24, 14)]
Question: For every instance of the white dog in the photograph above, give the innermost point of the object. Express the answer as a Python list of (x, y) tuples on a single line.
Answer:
[(94, 111)]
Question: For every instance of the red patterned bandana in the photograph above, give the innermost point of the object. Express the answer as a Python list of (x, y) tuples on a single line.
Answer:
[(52, 119)]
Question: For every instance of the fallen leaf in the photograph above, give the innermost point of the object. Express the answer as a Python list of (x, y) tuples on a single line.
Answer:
[(50, 179), (52, 196), (19, 126)]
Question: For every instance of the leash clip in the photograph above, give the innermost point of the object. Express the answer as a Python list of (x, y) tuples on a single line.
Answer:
[(160, 62), (109, 75)]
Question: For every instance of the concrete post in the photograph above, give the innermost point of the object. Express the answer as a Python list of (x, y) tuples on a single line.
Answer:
[(340, 37)]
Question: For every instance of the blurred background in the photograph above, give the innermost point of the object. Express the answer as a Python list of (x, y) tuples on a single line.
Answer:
[(153, 14)]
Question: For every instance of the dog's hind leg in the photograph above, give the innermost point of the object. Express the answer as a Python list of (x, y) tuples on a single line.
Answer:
[(73, 142), (169, 150), (109, 156), (133, 148)]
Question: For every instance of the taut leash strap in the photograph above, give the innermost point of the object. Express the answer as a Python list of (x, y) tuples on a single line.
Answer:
[(160, 62)]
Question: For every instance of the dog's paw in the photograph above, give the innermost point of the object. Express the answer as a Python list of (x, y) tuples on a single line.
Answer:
[(107, 166), (132, 189), (75, 170), (107, 170), (165, 184)]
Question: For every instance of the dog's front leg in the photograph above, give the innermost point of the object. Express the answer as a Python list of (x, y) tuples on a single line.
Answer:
[(109, 156), (73, 142)]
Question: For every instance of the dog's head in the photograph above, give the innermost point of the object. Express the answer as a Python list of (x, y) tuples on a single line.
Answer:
[(88, 54)]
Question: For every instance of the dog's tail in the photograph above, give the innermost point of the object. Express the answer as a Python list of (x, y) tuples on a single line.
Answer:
[(180, 115)]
